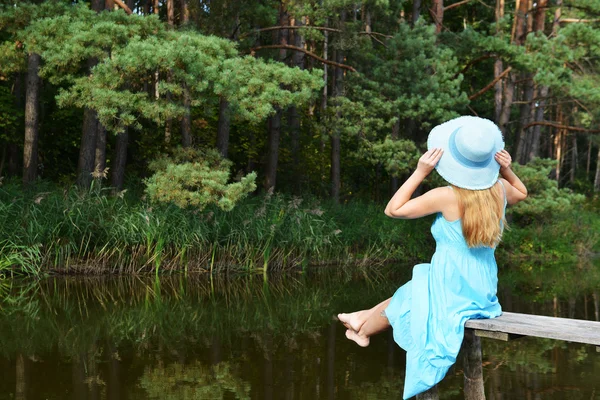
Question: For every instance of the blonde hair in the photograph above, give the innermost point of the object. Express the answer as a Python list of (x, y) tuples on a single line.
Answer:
[(482, 215)]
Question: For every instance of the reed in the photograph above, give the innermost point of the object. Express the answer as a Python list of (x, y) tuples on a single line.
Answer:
[(52, 229), (72, 231)]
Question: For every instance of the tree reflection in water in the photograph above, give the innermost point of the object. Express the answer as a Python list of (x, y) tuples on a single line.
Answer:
[(193, 337)]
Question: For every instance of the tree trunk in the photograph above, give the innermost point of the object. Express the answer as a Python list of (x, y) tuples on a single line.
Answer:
[(525, 139), (223, 127), (335, 136), (437, 9), (32, 111), (537, 129), (100, 159), (517, 34), (530, 140), (275, 120), (557, 15), (589, 158), (416, 11), (293, 115), (186, 120), (498, 65), (498, 68), (508, 95), (185, 12), (367, 20), (573, 159), (395, 135), (325, 71), (273, 152), (519, 29), (120, 161), (597, 177), (171, 13), (324, 97), (522, 29), (558, 144), (171, 23), (87, 150)]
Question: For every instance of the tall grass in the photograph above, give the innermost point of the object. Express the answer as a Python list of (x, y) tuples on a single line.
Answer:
[(52, 229), (72, 231)]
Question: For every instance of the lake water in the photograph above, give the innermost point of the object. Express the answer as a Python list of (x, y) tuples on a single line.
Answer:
[(242, 337)]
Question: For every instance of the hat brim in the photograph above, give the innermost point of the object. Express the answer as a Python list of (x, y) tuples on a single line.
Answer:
[(453, 171)]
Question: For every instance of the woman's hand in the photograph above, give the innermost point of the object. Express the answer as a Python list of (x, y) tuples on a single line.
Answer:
[(429, 160), (515, 189), (504, 159)]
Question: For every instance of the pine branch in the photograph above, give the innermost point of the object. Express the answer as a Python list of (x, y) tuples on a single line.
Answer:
[(124, 7), (319, 28), (375, 33), (456, 4), (559, 126), (276, 28), (571, 20), (491, 84), (378, 41), (473, 62), (308, 53)]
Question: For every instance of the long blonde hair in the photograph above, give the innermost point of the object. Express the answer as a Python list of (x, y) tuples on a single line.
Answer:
[(482, 215)]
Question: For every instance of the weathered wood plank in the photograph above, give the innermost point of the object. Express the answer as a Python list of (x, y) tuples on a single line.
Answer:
[(497, 335), (570, 330)]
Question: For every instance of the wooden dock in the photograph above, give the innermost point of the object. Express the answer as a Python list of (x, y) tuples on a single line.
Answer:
[(512, 326)]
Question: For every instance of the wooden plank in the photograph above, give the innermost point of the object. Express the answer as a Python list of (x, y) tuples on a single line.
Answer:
[(570, 330), (505, 337)]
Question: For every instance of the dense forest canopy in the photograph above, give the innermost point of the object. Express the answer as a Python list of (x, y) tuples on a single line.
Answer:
[(327, 97)]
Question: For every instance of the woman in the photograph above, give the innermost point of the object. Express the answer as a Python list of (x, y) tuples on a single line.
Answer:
[(429, 312)]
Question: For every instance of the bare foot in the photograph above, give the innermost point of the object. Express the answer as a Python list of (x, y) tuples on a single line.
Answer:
[(352, 321), (362, 341)]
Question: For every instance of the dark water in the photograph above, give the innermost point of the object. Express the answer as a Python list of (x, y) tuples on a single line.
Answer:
[(244, 338)]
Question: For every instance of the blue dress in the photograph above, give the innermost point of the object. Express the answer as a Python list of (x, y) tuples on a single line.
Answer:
[(429, 312)]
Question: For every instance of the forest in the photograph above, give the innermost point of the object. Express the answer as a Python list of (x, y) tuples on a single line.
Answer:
[(201, 135)]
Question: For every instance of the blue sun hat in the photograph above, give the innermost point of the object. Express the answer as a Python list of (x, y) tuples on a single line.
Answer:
[(469, 145)]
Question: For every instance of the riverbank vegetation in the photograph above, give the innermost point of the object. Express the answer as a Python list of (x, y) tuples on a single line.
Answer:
[(158, 136), (75, 231)]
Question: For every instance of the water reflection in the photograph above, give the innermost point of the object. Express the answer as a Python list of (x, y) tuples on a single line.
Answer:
[(241, 338)]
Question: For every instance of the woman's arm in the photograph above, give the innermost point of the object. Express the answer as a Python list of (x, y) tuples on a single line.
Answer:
[(515, 189), (401, 205)]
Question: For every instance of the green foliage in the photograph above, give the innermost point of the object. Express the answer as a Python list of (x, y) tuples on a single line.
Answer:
[(196, 178), (9, 115), (204, 65), (545, 199), (397, 156)]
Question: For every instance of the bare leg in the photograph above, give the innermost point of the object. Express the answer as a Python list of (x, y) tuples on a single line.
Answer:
[(356, 319), (375, 322)]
